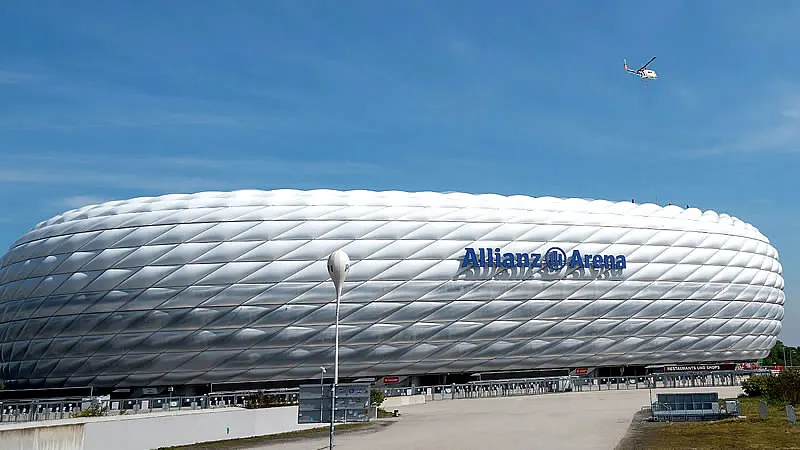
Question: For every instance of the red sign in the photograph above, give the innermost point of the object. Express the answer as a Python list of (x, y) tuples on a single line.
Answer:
[(581, 371), (391, 380)]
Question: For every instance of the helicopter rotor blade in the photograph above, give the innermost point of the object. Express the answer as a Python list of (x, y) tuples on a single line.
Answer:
[(648, 63)]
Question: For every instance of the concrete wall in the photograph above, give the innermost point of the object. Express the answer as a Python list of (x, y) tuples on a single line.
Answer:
[(62, 437), (403, 400), (146, 432), (150, 431)]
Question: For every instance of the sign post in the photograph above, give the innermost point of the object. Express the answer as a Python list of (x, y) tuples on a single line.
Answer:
[(349, 403)]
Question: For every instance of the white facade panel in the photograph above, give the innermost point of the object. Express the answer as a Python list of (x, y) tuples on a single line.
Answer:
[(232, 286)]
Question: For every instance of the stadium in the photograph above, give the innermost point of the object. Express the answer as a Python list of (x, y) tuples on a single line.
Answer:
[(232, 287)]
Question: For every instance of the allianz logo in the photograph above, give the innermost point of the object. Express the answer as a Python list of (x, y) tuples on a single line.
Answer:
[(554, 259)]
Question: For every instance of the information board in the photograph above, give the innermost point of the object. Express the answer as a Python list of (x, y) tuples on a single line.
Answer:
[(352, 403)]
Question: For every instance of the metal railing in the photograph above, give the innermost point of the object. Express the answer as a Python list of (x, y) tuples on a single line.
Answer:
[(666, 380), (535, 386), (486, 389), (51, 409), (65, 408)]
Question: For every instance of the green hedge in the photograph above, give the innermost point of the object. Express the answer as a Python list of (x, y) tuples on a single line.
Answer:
[(782, 388)]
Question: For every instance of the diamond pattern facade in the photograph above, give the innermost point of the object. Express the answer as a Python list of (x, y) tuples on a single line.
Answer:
[(219, 287)]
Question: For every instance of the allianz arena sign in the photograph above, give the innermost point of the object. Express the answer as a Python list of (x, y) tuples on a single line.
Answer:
[(554, 259)]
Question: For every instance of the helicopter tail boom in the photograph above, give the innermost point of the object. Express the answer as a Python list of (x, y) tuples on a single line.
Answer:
[(627, 69)]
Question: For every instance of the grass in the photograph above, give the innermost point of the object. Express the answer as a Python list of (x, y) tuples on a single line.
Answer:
[(245, 443), (747, 433)]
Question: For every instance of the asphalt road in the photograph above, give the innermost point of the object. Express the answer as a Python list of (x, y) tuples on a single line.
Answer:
[(579, 420)]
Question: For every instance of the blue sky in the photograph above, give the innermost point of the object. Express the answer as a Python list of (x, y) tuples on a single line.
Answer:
[(111, 100)]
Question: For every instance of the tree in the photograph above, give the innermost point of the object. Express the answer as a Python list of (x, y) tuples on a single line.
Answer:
[(376, 397), (776, 355)]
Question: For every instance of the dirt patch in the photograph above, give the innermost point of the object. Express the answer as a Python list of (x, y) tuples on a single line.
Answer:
[(637, 432)]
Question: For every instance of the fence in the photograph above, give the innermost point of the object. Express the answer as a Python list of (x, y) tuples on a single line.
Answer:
[(50, 409), (534, 386), (64, 408), (487, 389), (666, 380)]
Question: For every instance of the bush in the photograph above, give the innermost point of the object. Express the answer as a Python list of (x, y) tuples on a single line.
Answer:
[(96, 410), (758, 385), (376, 397), (788, 385), (382, 413), (782, 388), (258, 400)]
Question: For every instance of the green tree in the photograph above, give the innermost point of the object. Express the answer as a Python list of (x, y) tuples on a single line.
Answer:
[(376, 397), (776, 355)]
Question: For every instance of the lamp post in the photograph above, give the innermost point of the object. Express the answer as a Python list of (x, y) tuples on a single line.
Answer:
[(650, 382), (338, 266)]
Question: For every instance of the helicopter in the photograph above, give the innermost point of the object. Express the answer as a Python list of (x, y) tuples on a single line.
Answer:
[(643, 72)]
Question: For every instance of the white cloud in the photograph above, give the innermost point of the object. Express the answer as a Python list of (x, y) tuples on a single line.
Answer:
[(792, 113), (12, 77), (174, 173), (769, 121), (79, 201)]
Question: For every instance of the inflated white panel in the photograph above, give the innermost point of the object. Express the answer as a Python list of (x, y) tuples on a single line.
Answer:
[(234, 286)]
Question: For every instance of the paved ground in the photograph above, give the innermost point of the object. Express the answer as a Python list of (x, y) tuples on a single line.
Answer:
[(580, 420)]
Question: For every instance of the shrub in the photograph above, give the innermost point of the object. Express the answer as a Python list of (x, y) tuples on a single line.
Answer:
[(382, 413), (788, 386), (782, 388), (257, 400), (96, 410), (758, 385)]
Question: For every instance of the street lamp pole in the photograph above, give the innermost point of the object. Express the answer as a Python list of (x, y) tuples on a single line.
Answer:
[(338, 266)]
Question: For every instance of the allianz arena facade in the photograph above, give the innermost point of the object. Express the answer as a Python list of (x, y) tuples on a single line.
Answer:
[(233, 287)]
